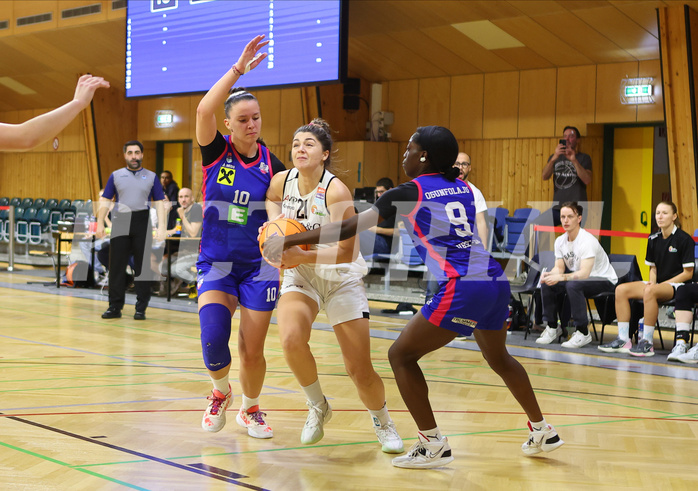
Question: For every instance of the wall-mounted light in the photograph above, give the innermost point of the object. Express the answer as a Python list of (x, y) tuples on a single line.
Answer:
[(636, 91), (164, 119)]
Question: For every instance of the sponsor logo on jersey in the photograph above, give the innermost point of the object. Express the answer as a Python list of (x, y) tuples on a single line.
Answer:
[(263, 168), (237, 214), (465, 322), (673, 249), (320, 196), (226, 176), (229, 158), (316, 211)]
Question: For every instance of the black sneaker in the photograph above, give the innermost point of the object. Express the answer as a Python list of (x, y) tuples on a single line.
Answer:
[(111, 313), (139, 316)]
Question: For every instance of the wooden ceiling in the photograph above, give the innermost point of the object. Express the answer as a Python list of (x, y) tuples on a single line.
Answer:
[(388, 40)]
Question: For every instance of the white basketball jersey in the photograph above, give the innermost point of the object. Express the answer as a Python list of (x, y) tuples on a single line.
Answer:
[(311, 210)]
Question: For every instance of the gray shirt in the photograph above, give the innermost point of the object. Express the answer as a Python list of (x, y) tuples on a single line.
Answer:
[(133, 190), (568, 185)]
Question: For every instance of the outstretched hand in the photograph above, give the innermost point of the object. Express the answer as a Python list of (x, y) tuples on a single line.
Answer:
[(250, 58), (85, 90)]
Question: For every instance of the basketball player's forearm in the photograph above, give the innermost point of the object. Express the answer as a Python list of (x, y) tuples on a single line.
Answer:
[(332, 232), (330, 255)]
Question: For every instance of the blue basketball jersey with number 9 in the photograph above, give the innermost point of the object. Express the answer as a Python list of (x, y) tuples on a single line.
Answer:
[(443, 229)]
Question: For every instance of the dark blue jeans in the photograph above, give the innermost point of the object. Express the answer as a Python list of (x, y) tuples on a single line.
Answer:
[(577, 292)]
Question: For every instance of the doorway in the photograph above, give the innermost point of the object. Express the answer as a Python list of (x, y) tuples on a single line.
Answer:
[(640, 180), (176, 157)]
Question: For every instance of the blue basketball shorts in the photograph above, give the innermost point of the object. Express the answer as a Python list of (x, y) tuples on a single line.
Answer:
[(465, 305), (256, 286)]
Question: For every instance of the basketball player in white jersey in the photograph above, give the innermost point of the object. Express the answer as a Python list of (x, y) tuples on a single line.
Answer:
[(328, 277)]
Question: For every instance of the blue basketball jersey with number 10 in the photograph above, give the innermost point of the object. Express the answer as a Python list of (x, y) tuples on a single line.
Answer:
[(442, 224), (234, 194)]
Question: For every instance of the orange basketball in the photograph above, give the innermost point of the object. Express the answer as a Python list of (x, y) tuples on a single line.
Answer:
[(282, 227)]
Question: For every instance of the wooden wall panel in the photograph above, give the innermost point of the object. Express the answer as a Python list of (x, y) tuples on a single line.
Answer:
[(434, 101), (347, 125), (608, 106), (116, 123), (652, 112), (508, 171), (575, 97), (537, 103), (183, 128), (45, 175), (680, 113), (501, 105), (467, 100), (403, 101), (270, 105), (291, 111)]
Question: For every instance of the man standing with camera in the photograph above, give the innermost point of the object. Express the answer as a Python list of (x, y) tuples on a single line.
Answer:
[(570, 170)]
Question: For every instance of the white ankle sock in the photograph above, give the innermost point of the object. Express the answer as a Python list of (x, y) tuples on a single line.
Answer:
[(538, 426), (248, 402), (314, 392), (648, 333), (221, 385), (433, 435), (380, 417), (624, 331)]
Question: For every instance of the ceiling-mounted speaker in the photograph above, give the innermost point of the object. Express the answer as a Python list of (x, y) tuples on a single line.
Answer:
[(352, 89)]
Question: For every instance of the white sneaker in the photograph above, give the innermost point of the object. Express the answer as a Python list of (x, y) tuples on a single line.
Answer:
[(214, 416), (425, 455), (254, 422), (679, 349), (549, 335), (317, 417), (389, 438), (691, 356), (577, 340), (545, 440)]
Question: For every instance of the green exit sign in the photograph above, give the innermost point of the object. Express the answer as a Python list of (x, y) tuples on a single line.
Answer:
[(638, 90)]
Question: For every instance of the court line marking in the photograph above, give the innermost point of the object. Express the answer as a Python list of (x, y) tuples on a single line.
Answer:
[(142, 455), (65, 464)]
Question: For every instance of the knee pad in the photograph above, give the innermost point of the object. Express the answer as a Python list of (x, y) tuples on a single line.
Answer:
[(686, 296), (215, 322)]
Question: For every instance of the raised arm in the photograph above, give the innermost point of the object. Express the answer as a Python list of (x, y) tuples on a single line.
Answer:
[(27, 135), (213, 100)]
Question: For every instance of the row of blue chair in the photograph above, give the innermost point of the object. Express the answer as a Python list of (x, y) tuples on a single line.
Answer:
[(33, 222)]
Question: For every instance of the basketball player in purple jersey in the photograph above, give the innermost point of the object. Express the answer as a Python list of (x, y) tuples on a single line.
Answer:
[(237, 171), (473, 296)]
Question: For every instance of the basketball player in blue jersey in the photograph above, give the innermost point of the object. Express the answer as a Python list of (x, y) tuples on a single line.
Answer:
[(473, 295), (237, 171), (328, 277)]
